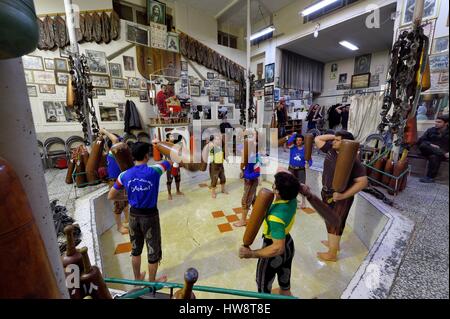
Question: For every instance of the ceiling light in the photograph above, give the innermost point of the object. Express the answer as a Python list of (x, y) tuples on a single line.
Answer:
[(317, 6), (349, 45), (262, 32)]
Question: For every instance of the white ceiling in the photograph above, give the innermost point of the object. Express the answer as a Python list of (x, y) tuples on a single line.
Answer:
[(237, 13), (326, 47)]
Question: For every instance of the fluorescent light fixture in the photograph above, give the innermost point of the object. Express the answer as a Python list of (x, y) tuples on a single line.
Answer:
[(262, 32), (317, 6), (349, 45)]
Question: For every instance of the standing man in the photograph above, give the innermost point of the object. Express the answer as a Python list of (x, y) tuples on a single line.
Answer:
[(214, 152), (297, 162), (251, 174), (434, 145), (161, 98), (282, 117), (339, 202), (114, 172), (175, 172), (141, 183), (276, 255)]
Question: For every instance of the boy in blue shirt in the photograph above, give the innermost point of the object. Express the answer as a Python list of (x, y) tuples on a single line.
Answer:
[(297, 160), (251, 174), (113, 173), (141, 183)]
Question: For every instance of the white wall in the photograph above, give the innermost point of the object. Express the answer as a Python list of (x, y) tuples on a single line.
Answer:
[(57, 6), (347, 66)]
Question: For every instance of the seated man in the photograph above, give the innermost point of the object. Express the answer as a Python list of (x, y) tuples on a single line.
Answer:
[(433, 144)]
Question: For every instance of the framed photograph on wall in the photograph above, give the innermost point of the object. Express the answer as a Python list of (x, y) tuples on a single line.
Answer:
[(32, 90), (173, 42), (100, 92), (134, 83), (430, 10), (362, 64), (195, 90), (184, 66), (127, 93), (97, 61), (438, 62), (143, 96), (210, 75), (343, 78), (268, 90), (29, 78), (137, 34), (119, 84), (62, 78), (360, 81), (440, 45), (56, 111), (270, 73), (49, 64), (128, 63), (115, 70), (31, 62), (223, 92), (156, 12), (100, 81), (47, 88), (61, 65), (44, 77)]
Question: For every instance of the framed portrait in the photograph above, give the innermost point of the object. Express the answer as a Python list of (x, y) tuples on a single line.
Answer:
[(61, 65), (29, 78), (206, 83), (44, 77), (374, 80), (100, 92), (438, 62), (231, 99), (195, 90), (100, 81), (259, 84), (119, 84), (334, 67), (440, 45), (115, 70), (184, 82), (56, 111), (430, 10), (343, 78), (31, 62), (32, 90), (184, 66), (143, 96), (134, 83), (49, 64), (362, 64), (127, 93), (216, 83), (344, 99), (173, 42), (128, 63), (156, 12), (268, 90), (210, 75), (360, 81), (97, 61), (62, 78), (223, 92), (143, 84), (270, 73), (47, 88), (137, 34)]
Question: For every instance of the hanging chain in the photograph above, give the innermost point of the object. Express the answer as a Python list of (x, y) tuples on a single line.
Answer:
[(82, 84), (400, 93)]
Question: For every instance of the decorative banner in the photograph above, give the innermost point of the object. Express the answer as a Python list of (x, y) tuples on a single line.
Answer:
[(158, 36)]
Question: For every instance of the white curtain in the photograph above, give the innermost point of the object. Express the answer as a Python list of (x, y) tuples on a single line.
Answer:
[(364, 116)]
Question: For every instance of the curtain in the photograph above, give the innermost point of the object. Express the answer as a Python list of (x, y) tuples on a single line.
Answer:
[(364, 115), (299, 72)]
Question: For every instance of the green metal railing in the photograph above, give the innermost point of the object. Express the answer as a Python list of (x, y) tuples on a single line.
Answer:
[(152, 287)]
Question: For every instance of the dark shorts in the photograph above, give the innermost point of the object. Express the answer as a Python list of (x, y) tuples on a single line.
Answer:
[(170, 177), (280, 266), (146, 228), (216, 172), (248, 198), (341, 209), (299, 173)]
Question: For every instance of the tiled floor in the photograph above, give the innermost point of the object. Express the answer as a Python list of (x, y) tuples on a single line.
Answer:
[(191, 237)]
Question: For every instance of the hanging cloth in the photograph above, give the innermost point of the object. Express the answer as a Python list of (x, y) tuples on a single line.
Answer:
[(132, 119)]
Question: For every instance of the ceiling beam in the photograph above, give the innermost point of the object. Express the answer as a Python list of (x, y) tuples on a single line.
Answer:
[(226, 8)]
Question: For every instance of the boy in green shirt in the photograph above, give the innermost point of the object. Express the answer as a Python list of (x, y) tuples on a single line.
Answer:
[(275, 257)]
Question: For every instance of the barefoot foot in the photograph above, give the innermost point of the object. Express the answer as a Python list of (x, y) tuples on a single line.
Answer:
[(180, 193), (141, 276), (327, 257), (122, 230), (326, 244), (240, 224), (170, 197), (162, 278)]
